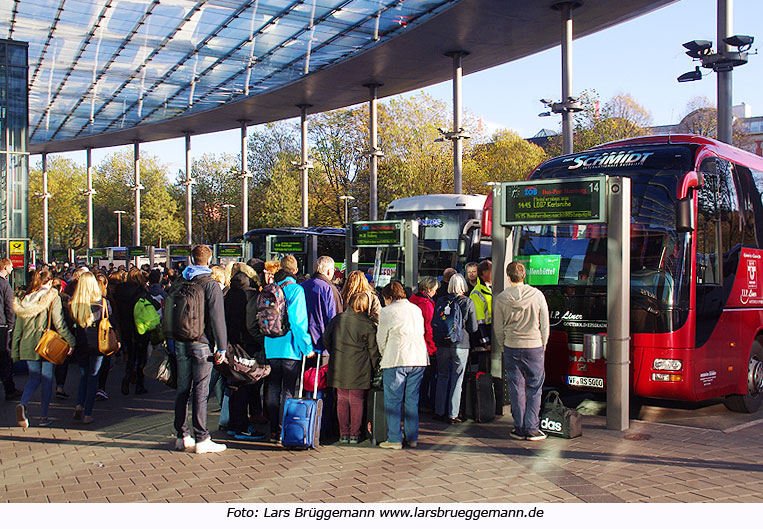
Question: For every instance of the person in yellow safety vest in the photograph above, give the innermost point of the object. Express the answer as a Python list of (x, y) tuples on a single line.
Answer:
[(482, 295)]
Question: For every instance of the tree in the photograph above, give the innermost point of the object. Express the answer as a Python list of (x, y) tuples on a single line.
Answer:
[(66, 208), (507, 157), (701, 118)]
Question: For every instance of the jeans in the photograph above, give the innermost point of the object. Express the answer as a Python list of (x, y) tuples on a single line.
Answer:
[(451, 365), (104, 373), (525, 373), (88, 382), (282, 383), (349, 409), (401, 396), (40, 374), (194, 368)]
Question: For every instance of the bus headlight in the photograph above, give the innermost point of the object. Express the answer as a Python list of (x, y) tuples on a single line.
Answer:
[(667, 364)]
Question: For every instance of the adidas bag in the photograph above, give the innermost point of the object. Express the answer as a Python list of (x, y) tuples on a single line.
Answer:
[(447, 322), (272, 316), (557, 420)]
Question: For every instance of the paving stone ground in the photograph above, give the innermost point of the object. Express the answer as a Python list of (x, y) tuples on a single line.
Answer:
[(126, 456)]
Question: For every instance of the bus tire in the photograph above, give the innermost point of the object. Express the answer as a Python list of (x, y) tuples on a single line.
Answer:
[(750, 402)]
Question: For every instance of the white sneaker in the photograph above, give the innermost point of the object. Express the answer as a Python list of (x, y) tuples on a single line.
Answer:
[(186, 443), (208, 446)]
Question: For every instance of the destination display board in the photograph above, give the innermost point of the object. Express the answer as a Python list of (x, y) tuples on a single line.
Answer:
[(559, 201), (180, 250), (98, 253), (59, 255), (286, 244), (137, 251), (381, 233), (230, 250)]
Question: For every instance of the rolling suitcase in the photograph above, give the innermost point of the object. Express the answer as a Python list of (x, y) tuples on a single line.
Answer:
[(376, 420), (478, 397), (301, 423)]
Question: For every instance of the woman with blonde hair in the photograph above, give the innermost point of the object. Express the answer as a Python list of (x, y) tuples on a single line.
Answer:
[(39, 305), (357, 282), (86, 310)]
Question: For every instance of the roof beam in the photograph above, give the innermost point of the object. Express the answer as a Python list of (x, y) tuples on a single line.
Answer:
[(47, 43)]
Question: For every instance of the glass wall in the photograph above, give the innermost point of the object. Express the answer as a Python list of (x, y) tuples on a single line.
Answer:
[(14, 158)]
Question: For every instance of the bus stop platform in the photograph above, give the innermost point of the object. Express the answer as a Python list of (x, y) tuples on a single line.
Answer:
[(126, 456)]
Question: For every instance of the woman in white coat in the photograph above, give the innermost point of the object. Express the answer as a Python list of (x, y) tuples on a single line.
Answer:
[(400, 337)]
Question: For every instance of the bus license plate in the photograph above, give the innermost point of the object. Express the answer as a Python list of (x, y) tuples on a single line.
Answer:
[(586, 382)]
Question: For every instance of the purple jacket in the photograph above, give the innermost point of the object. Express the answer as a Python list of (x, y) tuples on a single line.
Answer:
[(321, 308)]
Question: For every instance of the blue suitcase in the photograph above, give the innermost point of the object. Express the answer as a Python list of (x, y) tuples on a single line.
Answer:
[(301, 423)]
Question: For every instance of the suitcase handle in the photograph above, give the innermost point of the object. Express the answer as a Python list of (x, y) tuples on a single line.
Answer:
[(302, 375)]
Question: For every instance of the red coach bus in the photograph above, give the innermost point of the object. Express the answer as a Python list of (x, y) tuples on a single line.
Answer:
[(696, 271)]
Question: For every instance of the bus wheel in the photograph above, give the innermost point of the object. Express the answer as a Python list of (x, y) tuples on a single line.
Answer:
[(750, 402)]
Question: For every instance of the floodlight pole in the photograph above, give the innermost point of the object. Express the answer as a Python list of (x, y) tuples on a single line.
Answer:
[(45, 218), (244, 181), (304, 163), (725, 29), (457, 136), (138, 187), (188, 191), (89, 192), (373, 153), (565, 8)]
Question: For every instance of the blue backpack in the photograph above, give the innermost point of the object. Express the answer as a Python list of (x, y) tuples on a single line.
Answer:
[(447, 322)]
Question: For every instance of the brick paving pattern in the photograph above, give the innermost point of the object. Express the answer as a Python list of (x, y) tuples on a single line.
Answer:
[(126, 456)]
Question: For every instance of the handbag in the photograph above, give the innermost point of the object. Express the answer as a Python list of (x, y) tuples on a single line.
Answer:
[(240, 368), (308, 380), (107, 337), (51, 346), (558, 420), (162, 366)]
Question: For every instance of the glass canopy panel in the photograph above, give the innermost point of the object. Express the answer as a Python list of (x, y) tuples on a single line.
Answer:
[(104, 65)]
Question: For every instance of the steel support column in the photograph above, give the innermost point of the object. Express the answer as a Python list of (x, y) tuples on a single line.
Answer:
[(45, 198), (373, 152), (89, 192), (458, 146), (138, 187), (725, 29), (244, 181), (188, 191), (566, 11), (304, 164)]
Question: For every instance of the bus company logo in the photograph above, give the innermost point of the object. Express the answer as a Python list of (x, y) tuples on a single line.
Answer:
[(531, 191), (752, 269), (609, 159), (430, 223), (750, 293), (581, 360)]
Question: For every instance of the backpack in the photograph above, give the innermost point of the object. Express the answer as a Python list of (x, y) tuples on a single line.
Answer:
[(184, 311), (272, 316), (146, 316), (447, 322)]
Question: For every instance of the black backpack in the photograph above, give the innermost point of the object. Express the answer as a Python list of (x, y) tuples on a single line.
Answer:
[(184, 310), (448, 322)]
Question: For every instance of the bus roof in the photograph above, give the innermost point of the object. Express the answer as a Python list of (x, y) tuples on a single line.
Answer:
[(437, 203)]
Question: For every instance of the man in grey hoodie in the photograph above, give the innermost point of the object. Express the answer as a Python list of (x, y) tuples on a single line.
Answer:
[(520, 320)]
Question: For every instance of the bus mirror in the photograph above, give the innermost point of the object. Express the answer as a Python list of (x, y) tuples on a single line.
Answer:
[(462, 245), (685, 221)]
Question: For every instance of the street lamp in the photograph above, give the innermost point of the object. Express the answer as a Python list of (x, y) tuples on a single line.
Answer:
[(227, 210), (119, 214), (346, 199)]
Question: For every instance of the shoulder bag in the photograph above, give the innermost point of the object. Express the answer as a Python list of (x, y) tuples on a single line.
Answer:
[(51, 346), (107, 337)]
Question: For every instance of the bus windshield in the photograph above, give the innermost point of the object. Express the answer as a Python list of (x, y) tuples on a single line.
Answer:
[(574, 256)]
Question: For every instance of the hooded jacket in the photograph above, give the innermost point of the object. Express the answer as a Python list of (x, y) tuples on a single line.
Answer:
[(215, 330), (521, 317), (32, 320), (297, 342)]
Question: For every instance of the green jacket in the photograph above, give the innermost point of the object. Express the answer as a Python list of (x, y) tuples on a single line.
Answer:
[(350, 339), (482, 295), (32, 320)]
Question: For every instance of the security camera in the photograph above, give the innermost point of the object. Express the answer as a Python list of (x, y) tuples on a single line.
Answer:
[(546, 101), (696, 75)]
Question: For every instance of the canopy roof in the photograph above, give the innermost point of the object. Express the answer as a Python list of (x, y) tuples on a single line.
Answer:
[(109, 72)]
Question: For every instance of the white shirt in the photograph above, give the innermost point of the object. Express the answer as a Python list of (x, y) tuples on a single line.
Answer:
[(400, 335)]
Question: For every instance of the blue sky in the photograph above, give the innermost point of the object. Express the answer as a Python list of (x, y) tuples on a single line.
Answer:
[(642, 57)]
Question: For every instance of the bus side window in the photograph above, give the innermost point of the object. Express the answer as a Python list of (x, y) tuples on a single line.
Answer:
[(708, 223), (751, 187)]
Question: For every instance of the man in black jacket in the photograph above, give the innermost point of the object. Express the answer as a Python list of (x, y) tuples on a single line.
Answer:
[(194, 358), (7, 319)]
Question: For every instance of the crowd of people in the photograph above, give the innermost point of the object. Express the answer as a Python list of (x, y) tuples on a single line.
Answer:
[(414, 346)]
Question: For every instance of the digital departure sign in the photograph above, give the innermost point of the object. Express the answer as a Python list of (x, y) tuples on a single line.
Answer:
[(229, 250), (180, 250), (288, 245), (137, 251), (382, 233), (98, 253), (558, 201)]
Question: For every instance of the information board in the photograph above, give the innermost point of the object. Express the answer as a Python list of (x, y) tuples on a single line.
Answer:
[(59, 255), (98, 253), (229, 250), (559, 201), (286, 244), (180, 250), (375, 234), (137, 251)]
